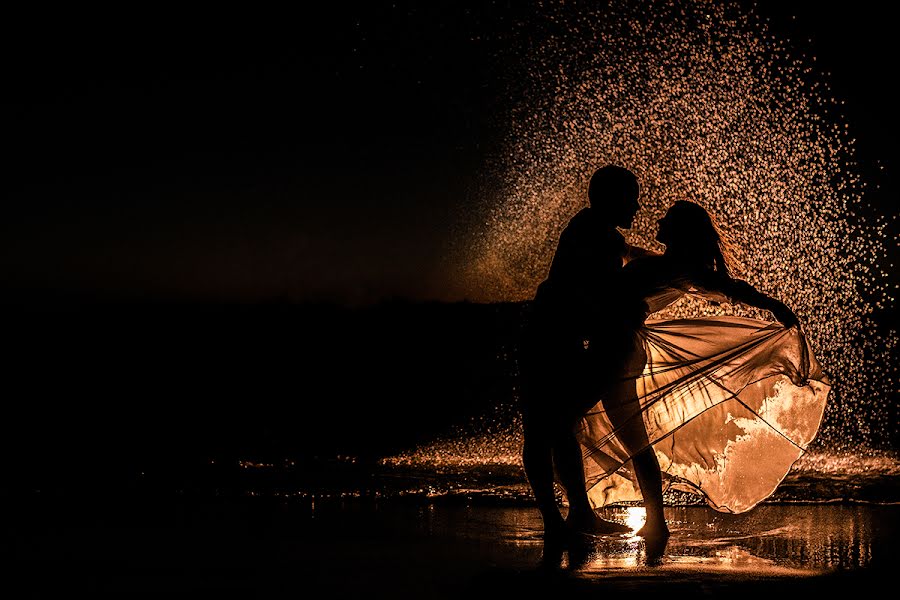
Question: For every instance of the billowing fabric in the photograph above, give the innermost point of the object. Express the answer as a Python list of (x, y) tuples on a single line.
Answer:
[(728, 403)]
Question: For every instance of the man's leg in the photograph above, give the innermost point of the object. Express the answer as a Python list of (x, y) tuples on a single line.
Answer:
[(537, 458)]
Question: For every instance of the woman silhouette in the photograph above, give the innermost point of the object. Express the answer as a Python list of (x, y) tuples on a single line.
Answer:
[(727, 403)]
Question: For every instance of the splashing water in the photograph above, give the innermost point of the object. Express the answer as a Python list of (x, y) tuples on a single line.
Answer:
[(702, 102)]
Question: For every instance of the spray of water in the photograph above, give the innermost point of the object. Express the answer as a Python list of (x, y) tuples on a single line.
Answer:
[(702, 102)]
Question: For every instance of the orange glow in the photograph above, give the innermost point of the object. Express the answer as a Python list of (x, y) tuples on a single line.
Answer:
[(635, 517)]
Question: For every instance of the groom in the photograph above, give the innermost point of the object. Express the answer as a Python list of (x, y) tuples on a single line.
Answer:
[(565, 352)]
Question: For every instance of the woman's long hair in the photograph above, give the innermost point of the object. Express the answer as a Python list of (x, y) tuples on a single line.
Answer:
[(695, 236)]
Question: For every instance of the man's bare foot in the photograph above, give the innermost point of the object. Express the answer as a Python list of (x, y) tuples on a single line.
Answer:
[(555, 528), (594, 524)]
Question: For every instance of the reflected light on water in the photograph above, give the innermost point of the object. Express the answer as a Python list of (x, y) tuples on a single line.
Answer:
[(635, 517), (770, 540)]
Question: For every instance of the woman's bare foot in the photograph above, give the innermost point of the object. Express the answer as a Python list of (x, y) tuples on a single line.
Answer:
[(656, 537), (655, 548)]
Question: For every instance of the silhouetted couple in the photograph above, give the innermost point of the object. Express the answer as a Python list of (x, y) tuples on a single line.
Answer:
[(588, 391)]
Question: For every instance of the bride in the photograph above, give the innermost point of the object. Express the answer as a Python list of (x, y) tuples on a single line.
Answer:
[(720, 407)]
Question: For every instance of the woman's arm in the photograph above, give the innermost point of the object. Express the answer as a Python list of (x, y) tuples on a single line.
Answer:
[(737, 290), (636, 252)]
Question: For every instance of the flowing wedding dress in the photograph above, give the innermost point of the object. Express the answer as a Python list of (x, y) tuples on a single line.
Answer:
[(728, 404)]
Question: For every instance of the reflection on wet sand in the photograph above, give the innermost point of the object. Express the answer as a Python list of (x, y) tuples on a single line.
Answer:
[(772, 540), (357, 548)]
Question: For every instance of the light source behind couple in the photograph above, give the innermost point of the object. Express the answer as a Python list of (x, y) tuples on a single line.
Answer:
[(727, 403)]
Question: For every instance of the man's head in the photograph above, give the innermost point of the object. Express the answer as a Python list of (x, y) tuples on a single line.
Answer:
[(613, 193)]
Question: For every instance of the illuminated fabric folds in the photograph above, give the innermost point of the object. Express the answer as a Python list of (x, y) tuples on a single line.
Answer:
[(729, 404)]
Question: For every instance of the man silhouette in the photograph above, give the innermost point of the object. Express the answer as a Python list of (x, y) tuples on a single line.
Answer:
[(569, 347)]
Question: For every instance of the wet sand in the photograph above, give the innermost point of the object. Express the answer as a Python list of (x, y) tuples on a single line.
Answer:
[(266, 547)]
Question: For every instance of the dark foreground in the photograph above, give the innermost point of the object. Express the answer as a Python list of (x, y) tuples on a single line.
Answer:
[(268, 547)]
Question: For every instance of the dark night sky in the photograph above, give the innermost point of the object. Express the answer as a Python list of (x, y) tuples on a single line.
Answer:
[(325, 155)]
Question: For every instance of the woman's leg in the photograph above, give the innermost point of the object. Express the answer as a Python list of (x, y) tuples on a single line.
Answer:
[(624, 411), (570, 467), (576, 396), (646, 467)]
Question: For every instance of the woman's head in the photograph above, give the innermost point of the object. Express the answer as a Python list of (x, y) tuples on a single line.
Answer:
[(689, 233)]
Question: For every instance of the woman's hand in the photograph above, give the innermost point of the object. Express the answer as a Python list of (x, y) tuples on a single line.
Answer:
[(784, 315)]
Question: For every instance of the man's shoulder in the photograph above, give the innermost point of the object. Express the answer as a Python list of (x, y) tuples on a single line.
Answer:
[(581, 220), (581, 224), (582, 230)]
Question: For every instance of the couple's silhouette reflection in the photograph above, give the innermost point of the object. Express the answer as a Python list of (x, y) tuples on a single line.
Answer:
[(575, 552)]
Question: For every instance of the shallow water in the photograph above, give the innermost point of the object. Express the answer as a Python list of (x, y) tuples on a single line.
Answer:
[(768, 540), (500, 549), (775, 540), (354, 546), (443, 524)]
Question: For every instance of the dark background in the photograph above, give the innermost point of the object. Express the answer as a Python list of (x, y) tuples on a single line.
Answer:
[(220, 232), (332, 155), (109, 396)]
